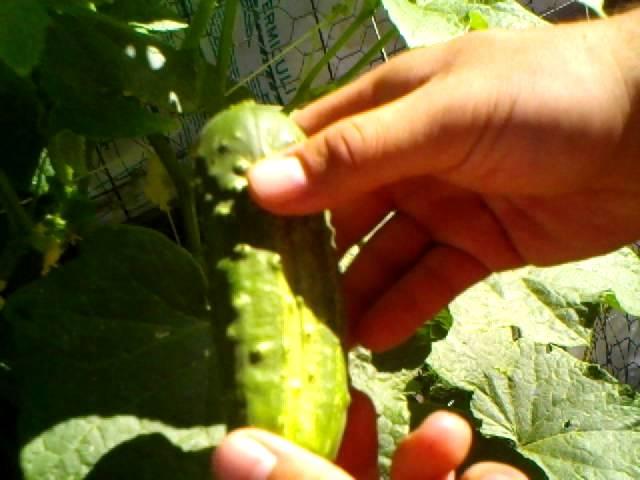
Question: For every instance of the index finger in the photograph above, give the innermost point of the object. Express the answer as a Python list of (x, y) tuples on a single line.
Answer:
[(394, 79)]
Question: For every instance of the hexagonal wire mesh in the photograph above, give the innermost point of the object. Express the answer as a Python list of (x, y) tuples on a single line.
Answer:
[(616, 345), (276, 44)]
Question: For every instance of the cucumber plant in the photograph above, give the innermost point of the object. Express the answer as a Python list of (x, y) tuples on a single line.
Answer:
[(117, 345)]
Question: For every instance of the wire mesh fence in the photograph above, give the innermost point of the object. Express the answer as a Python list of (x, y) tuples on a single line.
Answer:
[(276, 42), (616, 346)]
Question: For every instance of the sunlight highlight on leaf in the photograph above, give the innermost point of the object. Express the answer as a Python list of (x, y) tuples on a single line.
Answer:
[(155, 58), (72, 448), (160, 26), (424, 23)]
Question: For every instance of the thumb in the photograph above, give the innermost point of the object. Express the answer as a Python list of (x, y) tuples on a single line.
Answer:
[(411, 136), (252, 454)]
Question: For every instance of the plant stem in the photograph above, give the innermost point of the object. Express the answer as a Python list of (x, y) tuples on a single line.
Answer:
[(225, 47), (355, 69), (184, 188), (366, 58), (325, 23), (82, 179), (8, 197), (199, 23), (301, 95)]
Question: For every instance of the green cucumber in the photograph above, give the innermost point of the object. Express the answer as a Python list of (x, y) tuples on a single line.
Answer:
[(274, 288)]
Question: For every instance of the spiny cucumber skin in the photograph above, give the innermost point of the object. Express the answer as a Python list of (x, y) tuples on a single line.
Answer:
[(277, 278), (289, 373)]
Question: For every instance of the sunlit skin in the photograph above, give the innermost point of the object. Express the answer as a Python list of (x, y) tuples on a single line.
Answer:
[(492, 151)]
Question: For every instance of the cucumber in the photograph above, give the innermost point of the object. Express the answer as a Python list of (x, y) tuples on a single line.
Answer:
[(273, 287)]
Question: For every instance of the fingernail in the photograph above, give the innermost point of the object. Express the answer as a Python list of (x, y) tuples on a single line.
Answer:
[(240, 457), (278, 179)]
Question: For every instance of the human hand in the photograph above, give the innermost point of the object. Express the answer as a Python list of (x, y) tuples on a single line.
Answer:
[(432, 452), (495, 150)]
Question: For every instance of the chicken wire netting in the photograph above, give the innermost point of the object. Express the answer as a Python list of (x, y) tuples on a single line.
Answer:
[(616, 346), (276, 41)]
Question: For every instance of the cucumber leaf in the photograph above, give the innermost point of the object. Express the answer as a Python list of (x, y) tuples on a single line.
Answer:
[(23, 27), (546, 305), (387, 392), (114, 344), (82, 442), (613, 278), (19, 129), (423, 22), (570, 417), (511, 299), (563, 414), (144, 11), (103, 118), (97, 56)]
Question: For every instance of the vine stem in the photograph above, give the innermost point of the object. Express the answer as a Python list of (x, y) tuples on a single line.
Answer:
[(225, 47), (289, 47), (356, 68), (16, 212), (198, 25), (366, 58), (305, 86), (186, 196)]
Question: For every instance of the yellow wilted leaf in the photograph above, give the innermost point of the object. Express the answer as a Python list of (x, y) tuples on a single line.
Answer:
[(51, 256), (158, 187)]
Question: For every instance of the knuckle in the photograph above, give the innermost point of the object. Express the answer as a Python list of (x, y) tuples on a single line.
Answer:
[(346, 143)]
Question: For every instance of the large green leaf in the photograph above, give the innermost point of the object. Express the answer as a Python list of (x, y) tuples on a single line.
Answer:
[(140, 10), (19, 129), (546, 304), (121, 331), (73, 5), (23, 26), (425, 22), (91, 55), (72, 449), (106, 117), (511, 299), (563, 414), (570, 417), (612, 278), (387, 392)]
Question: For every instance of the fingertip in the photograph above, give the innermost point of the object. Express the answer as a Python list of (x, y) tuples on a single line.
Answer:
[(434, 449), (375, 333), (254, 454), (444, 424), (358, 453), (444, 272), (492, 471), (276, 182), (239, 457)]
